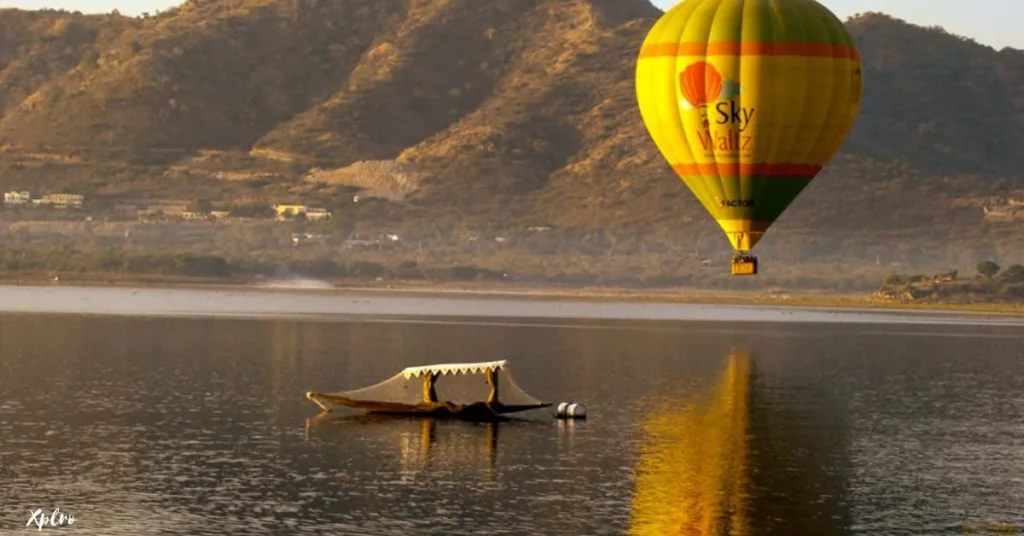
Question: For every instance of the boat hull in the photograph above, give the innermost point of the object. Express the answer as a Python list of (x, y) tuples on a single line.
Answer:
[(474, 411)]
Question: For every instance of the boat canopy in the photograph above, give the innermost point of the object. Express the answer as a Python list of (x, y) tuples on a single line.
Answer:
[(422, 391), (454, 369)]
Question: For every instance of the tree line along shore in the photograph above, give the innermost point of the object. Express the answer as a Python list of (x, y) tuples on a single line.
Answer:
[(988, 284)]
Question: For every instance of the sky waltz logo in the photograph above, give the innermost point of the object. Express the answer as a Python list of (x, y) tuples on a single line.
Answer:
[(705, 89), (702, 84), (54, 519)]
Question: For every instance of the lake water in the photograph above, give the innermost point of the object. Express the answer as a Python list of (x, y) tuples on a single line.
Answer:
[(184, 413)]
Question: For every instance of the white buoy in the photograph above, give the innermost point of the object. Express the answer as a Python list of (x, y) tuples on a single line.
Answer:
[(571, 410)]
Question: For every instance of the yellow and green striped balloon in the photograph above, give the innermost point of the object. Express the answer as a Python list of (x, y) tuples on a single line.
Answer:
[(748, 100)]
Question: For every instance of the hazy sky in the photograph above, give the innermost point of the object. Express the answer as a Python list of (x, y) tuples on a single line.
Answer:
[(991, 22)]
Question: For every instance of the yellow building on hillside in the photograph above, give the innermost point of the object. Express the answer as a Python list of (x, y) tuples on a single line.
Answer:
[(61, 200), (286, 211)]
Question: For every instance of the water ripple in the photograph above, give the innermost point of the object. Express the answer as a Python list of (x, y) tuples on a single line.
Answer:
[(160, 426)]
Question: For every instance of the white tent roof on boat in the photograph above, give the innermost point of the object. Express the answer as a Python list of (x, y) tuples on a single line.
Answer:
[(461, 391), (455, 368)]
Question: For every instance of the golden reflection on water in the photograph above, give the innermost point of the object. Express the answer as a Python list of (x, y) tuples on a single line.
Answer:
[(693, 460)]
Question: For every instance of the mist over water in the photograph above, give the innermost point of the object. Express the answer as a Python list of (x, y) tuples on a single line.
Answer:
[(297, 283), (285, 279), (269, 302)]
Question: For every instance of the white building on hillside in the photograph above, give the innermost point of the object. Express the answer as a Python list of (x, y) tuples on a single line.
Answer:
[(62, 200), (17, 198)]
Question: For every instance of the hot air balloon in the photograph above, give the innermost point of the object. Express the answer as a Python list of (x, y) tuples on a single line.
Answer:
[(747, 100)]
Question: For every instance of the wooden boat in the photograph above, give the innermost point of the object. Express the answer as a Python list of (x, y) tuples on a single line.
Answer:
[(395, 397)]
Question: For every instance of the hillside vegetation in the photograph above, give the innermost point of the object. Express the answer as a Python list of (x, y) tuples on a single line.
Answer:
[(472, 116)]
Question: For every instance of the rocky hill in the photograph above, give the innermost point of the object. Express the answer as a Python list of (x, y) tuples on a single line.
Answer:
[(503, 114)]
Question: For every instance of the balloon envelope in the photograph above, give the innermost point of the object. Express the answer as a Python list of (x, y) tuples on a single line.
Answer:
[(748, 100)]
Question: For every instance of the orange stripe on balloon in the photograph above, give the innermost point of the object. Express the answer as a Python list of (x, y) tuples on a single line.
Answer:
[(753, 48), (803, 171)]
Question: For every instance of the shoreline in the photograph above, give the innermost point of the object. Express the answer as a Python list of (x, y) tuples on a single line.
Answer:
[(805, 300)]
